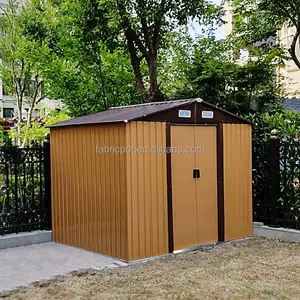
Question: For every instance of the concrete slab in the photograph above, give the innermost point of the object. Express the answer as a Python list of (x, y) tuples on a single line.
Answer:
[(24, 265), (25, 239), (284, 234)]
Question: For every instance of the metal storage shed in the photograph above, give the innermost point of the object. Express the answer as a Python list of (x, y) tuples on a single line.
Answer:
[(144, 180)]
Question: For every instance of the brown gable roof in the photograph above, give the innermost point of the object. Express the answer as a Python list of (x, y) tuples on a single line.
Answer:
[(131, 112)]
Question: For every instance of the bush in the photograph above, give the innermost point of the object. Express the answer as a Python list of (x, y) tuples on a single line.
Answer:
[(286, 122)]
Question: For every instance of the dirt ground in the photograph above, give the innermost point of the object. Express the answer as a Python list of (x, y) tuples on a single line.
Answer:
[(253, 269)]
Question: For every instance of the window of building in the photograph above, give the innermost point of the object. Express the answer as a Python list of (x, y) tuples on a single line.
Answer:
[(35, 113), (8, 112)]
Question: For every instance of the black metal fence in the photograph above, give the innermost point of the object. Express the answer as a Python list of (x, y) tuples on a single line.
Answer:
[(276, 186), (25, 189)]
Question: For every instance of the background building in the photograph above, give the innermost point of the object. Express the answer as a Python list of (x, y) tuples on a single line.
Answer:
[(290, 73), (8, 107)]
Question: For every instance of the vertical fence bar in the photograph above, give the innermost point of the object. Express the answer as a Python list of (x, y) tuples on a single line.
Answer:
[(47, 183), (17, 217), (275, 177)]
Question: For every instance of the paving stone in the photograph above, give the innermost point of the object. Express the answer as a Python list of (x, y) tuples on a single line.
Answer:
[(24, 265)]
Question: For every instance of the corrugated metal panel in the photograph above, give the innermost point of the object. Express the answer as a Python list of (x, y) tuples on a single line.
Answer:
[(146, 190), (237, 180), (184, 191), (89, 189), (195, 218)]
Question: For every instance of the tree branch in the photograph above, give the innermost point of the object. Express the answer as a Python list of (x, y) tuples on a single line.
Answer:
[(145, 27), (138, 42), (292, 50), (287, 13), (136, 63), (129, 31), (157, 25), (34, 99)]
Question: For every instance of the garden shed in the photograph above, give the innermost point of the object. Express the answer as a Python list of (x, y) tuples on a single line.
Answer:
[(144, 180)]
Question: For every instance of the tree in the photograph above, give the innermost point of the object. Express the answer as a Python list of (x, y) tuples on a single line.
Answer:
[(140, 24), (84, 89), (174, 64), (87, 74), (21, 61), (241, 89), (258, 20)]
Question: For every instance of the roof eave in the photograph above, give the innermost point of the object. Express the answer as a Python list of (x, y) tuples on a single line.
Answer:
[(59, 125)]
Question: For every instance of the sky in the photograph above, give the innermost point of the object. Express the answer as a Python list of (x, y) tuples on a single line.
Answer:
[(195, 28)]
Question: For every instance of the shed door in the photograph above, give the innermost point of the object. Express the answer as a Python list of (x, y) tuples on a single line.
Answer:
[(194, 185)]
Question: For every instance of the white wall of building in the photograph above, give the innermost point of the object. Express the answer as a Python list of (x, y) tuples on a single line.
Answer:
[(9, 103), (290, 72)]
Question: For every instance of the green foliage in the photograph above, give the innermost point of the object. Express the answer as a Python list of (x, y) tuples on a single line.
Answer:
[(22, 60), (114, 46), (89, 75), (286, 122), (56, 117), (258, 21), (175, 60), (237, 87), (36, 132), (86, 91), (83, 51)]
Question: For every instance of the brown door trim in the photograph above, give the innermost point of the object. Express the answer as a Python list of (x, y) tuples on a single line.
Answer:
[(220, 181), (220, 176), (169, 190), (191, 124)]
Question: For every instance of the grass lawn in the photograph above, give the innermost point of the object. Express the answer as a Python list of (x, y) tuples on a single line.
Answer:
[(252, 269)]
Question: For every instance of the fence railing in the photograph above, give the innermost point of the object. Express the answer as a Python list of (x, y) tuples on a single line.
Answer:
[(276, 186), (25, 189)]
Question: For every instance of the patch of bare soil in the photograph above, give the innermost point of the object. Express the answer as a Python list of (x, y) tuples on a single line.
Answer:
[(255, 269)]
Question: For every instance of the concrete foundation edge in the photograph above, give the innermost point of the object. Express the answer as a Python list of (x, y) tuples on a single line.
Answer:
[(25, 239), (39, 237), (284, 234)]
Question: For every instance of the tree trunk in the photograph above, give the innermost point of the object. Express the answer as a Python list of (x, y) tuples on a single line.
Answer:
[(135, 63), (29, 116), (19, 116), (154, 94), (28, 123)]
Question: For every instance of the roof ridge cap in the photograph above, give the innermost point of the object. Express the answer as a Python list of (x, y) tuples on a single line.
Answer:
[(156, 103)]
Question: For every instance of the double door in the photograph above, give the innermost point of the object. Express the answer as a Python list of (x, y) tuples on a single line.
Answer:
[(194, 185)]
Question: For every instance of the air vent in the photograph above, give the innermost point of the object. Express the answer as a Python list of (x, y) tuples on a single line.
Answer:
[(185, 114)]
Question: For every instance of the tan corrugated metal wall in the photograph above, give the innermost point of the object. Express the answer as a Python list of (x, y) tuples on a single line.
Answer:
[(237, 180), (89, 188), (116, 204), (110, 203), (146, 190)]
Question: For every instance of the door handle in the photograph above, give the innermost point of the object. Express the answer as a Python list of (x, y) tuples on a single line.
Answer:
[(196, 173)]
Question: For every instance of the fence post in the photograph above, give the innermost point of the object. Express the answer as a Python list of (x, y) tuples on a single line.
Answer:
[(274, 177), (47, 177)]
